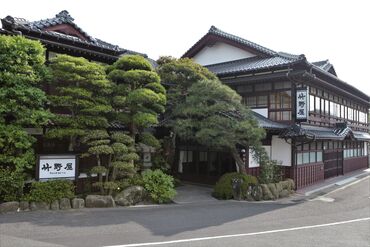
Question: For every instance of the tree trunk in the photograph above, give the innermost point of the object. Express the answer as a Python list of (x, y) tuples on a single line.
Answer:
[(239, 162), (100, 177)]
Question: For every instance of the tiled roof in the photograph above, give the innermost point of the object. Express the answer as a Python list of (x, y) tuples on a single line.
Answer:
[(323, 133), (266, 123), (218, 32), (326, 66), (251, 64), (61, 18)]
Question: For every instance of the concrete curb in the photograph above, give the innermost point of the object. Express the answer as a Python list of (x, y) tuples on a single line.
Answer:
[(341, 182)]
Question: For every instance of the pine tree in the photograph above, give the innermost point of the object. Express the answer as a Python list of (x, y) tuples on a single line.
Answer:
[(138, 96), (203, 110), (79, 96)]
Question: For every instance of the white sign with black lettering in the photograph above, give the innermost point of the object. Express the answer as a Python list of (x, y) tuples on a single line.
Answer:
[(57, 166), (302, 104)]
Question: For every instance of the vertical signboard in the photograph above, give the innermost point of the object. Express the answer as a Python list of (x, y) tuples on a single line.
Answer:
[(56, 166), (302, 104)]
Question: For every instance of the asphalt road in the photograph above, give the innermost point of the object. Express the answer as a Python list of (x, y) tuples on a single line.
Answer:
[(340, 218)]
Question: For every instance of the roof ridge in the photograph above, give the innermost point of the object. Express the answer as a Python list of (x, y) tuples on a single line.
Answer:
[(219, 32)]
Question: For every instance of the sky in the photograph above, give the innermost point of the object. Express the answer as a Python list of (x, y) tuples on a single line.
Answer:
[(320, 29)]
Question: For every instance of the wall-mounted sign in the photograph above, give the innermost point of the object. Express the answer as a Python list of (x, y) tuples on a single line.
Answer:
[(302, 104), (56, 166)]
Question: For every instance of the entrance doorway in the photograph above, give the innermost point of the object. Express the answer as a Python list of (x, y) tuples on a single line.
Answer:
[(333, 163)]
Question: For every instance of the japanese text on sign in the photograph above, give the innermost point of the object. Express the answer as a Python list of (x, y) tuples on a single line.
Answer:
[(57, 166), (302, 104)]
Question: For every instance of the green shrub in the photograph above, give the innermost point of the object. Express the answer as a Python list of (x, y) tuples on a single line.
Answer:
[(11, 185), (159, 185), (270, 172), (51, 190), (223, 188)]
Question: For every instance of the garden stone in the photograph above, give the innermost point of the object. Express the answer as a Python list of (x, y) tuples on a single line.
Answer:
[(130, 196), (34, 206), (285, 184), (279, 187), (24, 205), (97, 201), (9, 207), (257, 193), (273, 190), (78, 203), (284, 193), (291, 184), (267, 195), (65, 203), (54, 205)]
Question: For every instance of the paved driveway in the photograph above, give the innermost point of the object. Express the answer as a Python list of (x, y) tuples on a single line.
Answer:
[(189, 193)]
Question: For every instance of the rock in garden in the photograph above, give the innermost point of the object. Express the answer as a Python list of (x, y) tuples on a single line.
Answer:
[(257, 193), (273, 190), (97, 201), (267, 195), (65, 203), (78, 203), (9, 207), (291, 184), (130, 196), (279, 187), (34, 206), (284, 193), (24, 205), (54, 205)]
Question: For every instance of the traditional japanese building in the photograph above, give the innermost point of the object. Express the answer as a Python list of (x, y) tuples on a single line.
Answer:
[(61, 35), (317, 125)]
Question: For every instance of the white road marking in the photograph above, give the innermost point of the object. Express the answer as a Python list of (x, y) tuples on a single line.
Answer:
[(323, 199), (240, 235)]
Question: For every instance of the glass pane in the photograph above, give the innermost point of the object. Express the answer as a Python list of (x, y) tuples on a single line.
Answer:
[(299, 158), (312, 157), (262, 101), (312, 103), (317, 104), (251, 101), (319, 156), (306, 158)]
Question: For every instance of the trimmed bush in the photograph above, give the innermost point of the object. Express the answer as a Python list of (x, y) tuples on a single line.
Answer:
[(51, 190), (11, 185), (223, 188), (160, 186)]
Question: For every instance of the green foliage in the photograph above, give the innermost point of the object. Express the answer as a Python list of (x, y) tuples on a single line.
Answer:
[(115, 153), (150, 140), (11, 185), (21, 71), (270, 172), (138, 97), (223, 188), (133, 62), (203, 110), (21, 100), (159, 185), (82, 91), (51, 190)]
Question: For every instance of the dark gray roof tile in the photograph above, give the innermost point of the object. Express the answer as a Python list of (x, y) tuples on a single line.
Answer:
[(266, 123), (249, 64)]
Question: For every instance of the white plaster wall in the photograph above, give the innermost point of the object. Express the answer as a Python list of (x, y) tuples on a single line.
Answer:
[(253, 162), (262, 111), (281, 151), (220, 52)]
